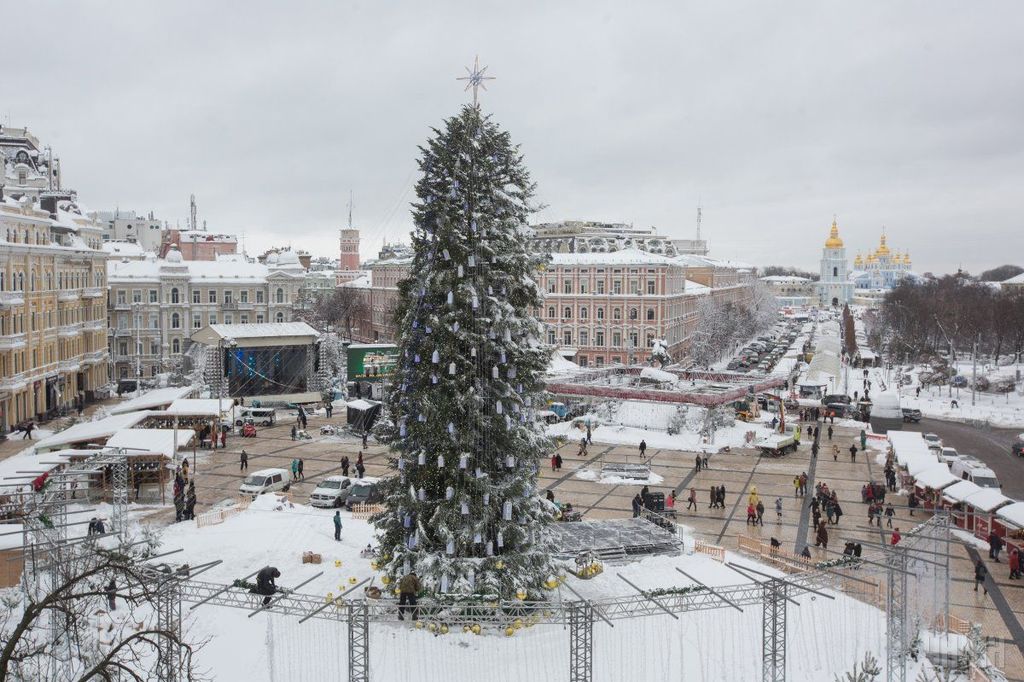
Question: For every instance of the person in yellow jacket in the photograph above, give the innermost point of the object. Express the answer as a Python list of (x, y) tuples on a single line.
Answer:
[(753, 496), (408, 588), (796, 434)]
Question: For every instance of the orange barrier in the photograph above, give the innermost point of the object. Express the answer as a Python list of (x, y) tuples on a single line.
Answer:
[(714, 551)]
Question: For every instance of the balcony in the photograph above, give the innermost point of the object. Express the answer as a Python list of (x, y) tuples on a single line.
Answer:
[(122, 305), (94, 325), (13, 341), (122, 332), (72, 329), (72, 365), (13, 382), (95, 357), (11, 298), (67, 295), (93, 292)]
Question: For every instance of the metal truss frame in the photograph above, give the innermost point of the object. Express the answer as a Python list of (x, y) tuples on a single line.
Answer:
[(581, 641), (773, 631)]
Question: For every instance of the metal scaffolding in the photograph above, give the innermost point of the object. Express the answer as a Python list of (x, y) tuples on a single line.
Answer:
[(581, 641), (773, 631), (896, 616), (168, 612), (358, 643)]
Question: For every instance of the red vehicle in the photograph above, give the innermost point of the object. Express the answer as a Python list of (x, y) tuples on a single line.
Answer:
[(248, 431)]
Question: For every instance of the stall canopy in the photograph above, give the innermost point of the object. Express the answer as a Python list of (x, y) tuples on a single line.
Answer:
[(13, 469), (91, 432), (1013, 513), (936, 477), (987, 500), (160, 441), (362, 414), (157, 399), (920, 463), (958, 492), (198, 407)]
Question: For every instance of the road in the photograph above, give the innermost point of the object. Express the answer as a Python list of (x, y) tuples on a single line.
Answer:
[(991, 446)]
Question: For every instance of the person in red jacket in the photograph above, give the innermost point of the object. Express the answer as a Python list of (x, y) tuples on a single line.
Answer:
[(896, 537), (1014, 565)]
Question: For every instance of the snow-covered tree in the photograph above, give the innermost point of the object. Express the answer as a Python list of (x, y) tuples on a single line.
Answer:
[(462, 509), (866, 670)]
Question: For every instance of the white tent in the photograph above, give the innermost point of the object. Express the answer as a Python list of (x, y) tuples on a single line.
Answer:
[(1012, 513), (936, 477), (156, 399), (91, 432), (160, 441), (958, 492)]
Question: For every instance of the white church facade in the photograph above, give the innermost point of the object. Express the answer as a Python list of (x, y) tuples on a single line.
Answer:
[(835, 289)]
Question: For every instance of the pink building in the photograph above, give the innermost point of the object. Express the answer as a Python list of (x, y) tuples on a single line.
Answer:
[(198, 244), (348, 261)]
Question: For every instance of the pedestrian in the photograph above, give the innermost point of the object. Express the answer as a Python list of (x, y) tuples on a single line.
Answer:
[(366, 434), (830, 433), (588, 434), (645, 497), (889, 513), (190, 501), (713, 497), (582, 452), (980, 573), (751, 515), (760, 513), (778, 509), (243, 461), (821, 538), (670, 503), (295, 432), (637, 505), (837, 511), (360, 468), (872, 510), (803, 484), (302, 466), (863, 439), (337, 526), (295, 469), (896, 537), (691, 502), (704, 462), (223, 438), (643, 448), (408, 588), (558, 461), (344, 465), (697, 467), (796, 486), (796, 435), (179, 505), (912, 502), (814, 449), (807, 552), (554, 464), (721, 496), (111, 592), (1014, 565), (995, 545), (918, 391), (28, 430), (853, 452), (266, 582)]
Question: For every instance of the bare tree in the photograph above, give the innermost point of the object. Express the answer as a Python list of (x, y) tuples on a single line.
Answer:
[(340, 307), (68, 626)]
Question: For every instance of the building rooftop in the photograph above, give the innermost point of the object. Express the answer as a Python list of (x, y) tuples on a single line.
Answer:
[(623, 257)]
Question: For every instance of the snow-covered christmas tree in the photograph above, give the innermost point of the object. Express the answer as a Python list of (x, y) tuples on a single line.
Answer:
[(463, 509)]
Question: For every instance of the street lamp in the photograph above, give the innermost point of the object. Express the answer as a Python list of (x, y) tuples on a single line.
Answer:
[(221, 343)]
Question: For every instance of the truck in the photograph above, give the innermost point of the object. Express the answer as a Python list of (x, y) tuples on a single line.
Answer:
[(778, 444)]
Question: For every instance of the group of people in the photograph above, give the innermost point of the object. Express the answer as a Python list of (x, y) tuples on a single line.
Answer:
[(826, 501), (184, 496), (360, 468), (297, 467), (800, 485)]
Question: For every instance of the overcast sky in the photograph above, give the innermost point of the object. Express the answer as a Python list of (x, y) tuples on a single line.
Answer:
[(775, 115)]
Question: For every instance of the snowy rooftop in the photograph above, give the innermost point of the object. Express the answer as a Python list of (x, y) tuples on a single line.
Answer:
[(210, 407), (151, 440), (785, 279), (987, 499), (937, 477), (17, 465), (157, 398), (126, 249), (696, 288), (101, 429), (296, 332), (958, 492), (228, 267), (623, 257), (1014, 513)]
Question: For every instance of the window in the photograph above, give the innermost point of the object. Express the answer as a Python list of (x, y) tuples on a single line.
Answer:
[(650, 313), (599, 312), (567, 286), (154, 321), (583, 286), (136, 296), (279, 296), (197, 320), (634, 314), (617, 287), (213, 318), (551, 286), (152, 371), (175, 321), (616, 313), (122, 348), (551, 337), (259, 295), (650, 286), (174, 295), (245, 319), (650, 340), (197, 296), (634, 287), (567, 337), (551, 312), (582, 360), (259, 318), (835, 272), (243, 296), (175, 346), (599, 361), (124, 372), (617, 339), (633, 339), (600, 286), (213, 295), (227, 296), (154, 348), (152, 296), (599, 337), (583, 313), (584, 337), (229, 318), (280, 317), (567, 313), (122, 297)]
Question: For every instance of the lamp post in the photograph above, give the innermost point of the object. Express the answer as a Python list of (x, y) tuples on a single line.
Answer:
[(221, 343)]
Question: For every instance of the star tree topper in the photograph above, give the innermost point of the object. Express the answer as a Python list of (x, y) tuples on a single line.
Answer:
[(475, 78)]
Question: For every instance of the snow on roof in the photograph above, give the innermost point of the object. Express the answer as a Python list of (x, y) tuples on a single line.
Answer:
[(31, 461), (623, 257), (151, 440), (101, 429), (122, 248), (210, 407), (361, 404), (936, 477), (987, 499), (1014, 513), (361, 282), (917, 464), (157, 398), (1018, 279), (223, 269), (958, 492), (559, 365), (696, 288), (262, 330), (785, 279), (656, 374)]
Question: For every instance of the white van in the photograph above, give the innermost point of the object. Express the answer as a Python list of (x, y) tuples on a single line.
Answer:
[(265, 481), (331, 492), (973, 470)]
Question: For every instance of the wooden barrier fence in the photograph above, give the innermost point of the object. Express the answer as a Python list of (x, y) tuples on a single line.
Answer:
[(714, 551), (365, 511), (212, 518)]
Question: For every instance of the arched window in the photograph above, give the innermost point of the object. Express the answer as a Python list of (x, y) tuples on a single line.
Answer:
[(32, 280), (634, 314), (551, 312), (599, 312), (835, 272), (280, 316), (280, 296), (584, 313), (567, 313), (174, 295), (175, 346), (175, 321), (616, 313), (650, 313)]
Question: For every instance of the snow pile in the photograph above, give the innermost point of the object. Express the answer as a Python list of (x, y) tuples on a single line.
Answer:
[(598, 477), (560, 365)]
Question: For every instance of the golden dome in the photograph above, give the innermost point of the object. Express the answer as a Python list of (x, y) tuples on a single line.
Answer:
[(833, 241), (883, 250), (906, 258), (872, 258), (858, 261)]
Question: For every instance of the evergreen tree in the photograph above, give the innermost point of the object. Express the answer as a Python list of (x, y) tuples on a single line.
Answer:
[(462, 509)]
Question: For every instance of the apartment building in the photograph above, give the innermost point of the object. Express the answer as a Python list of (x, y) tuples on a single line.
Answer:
[(155, 305)]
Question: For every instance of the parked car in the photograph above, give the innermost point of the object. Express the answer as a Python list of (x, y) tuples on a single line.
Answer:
[(933, 439), (331, 492), (959, 381), (1018, 446), (265, 481), (363, 491), (911, 415), (949, 455)]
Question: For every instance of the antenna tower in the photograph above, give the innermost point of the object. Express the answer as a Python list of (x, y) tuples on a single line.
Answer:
[(350, 209), (192, 221), (699, 216)]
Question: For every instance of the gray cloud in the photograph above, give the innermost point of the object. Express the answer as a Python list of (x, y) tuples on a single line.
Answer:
[(776, 114)]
